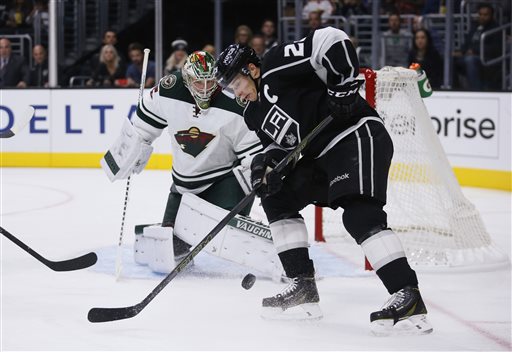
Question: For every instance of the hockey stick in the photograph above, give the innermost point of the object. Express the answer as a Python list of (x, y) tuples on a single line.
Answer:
[(78, 263), (119, 255), (19, 124), (98, 315)]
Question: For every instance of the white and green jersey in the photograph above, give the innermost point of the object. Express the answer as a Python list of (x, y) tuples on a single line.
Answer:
[(206, 145)]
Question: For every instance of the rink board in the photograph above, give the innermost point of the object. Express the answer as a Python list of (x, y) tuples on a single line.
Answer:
[(74, 128)]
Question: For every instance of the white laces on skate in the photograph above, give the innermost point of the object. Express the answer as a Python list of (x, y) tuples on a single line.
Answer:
[(290, 288), (395, 301)]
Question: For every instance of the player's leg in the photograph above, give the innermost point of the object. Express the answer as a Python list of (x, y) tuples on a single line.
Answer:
[(361, 191), (300, 299), (366, 221)]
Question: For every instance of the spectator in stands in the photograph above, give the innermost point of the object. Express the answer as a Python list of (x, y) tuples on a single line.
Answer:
[(268, 30), (353, 7), (39, 71), (258, 45), (396, 43), (18, 13), (111, 70), (478, 76), (243, 35), (39, 13), (109, 38), (13, 70), (425, 53), (314, 22), (134, 71), (324, 7), (178, 56), (210, 49)]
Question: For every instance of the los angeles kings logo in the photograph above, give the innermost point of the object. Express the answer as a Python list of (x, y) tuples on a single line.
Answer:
[(193, 141)]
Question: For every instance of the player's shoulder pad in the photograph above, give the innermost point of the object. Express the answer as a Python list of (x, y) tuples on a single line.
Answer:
[(172, 86), (227, 101)]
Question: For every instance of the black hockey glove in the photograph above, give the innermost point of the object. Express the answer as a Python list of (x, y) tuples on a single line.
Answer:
[(342, 99), (263, 177)]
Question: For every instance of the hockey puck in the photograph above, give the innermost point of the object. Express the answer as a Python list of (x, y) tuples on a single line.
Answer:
[(248, 281)]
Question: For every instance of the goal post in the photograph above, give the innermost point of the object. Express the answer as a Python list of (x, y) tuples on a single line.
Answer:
[(437, 225)]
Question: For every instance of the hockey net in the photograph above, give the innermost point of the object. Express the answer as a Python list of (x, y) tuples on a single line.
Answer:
[(437, 225)]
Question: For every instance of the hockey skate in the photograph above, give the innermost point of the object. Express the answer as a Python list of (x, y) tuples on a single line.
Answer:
[(403, 314), (298, 301)]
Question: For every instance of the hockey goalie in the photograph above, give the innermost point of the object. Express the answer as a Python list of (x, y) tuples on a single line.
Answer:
[(212, 150)]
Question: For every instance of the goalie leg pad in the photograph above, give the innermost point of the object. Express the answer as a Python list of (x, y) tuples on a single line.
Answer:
[(140, 249), (243, 240), (154, 247), (129, 154)]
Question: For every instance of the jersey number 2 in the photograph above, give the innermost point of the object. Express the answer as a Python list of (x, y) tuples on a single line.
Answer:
[(294, 49)]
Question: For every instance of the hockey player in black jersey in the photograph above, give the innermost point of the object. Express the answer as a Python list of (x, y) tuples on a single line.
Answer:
[(295, 87)]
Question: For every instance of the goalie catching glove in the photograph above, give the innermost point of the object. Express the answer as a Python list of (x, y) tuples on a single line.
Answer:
[(129, 154), (342, 99)]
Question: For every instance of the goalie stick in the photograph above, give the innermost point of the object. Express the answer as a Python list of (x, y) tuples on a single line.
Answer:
[(119, 254), (99, 315), (19, 124), (78, 263)]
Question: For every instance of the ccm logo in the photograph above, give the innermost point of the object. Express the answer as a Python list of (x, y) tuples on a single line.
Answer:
[(336, 94)]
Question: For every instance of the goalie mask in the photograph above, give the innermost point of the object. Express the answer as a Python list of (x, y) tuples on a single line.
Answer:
[(199, 78)]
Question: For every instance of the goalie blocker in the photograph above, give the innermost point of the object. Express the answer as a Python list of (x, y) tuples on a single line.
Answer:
[(243, 240), (129, 154)]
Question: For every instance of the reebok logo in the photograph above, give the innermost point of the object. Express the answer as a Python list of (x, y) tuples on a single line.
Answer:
[(338, 178)]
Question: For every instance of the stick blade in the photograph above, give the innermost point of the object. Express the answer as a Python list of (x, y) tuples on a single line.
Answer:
[(20, 123), (101, 315), (82, 262)]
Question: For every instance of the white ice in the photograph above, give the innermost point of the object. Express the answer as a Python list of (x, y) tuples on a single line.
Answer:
[(63, 213)]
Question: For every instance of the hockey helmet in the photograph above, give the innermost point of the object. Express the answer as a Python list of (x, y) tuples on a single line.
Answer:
[(232, 61), (199, 77)]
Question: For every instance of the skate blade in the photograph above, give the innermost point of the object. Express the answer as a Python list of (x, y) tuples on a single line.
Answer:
[(414, 325), (307, 311)]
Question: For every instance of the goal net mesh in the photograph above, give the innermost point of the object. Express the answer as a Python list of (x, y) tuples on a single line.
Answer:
[(437, 225)]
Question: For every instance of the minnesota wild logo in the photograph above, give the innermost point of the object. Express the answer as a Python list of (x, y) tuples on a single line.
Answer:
[(193, 141), (168, 81)]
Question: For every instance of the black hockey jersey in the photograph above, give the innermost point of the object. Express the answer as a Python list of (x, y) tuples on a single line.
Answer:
[(293, 92)]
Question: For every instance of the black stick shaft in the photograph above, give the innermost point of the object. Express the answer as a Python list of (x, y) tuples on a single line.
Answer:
[(97, 315)]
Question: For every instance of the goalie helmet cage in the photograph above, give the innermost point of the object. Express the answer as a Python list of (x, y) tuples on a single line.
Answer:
[(439, 228)]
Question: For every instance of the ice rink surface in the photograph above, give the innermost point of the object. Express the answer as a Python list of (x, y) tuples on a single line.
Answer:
[(63, 213)]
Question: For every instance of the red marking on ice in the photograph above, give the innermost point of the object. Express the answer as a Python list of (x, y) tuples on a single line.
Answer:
[(500, 341)]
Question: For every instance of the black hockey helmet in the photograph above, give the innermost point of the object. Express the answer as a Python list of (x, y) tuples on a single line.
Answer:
[(233, 60)]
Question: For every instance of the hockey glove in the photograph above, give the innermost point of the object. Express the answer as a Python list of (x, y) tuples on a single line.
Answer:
[(263, 178), (343, 98)]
